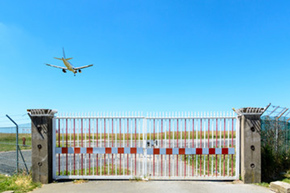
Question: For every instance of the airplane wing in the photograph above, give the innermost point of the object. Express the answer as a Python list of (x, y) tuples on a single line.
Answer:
[(57, 66), (78, 68)]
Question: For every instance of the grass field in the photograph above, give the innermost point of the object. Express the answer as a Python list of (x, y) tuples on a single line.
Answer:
[(20, 183), (8, 141), (158, 136)]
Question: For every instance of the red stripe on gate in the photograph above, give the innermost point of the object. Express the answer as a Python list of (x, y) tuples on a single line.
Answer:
[(133, 150), (232, 145), (177, 146), (208, 146), (198, 151), (89, 150), (112, 146), (156, 151), (77, 150), (97, 157), (225, 151), (82, 156), (184, 146), (192, 164), (127, 146), (121, 150), (181, 151), (153, 150), (211, 151), (161, 146), (66, 145), (108, 150), (200, 146), (169, 151), (135, 146), (97, 122), (105, 146), (90, 146), (74, 146), (216, 137), (224, 146), (59, 146), (64, 150)]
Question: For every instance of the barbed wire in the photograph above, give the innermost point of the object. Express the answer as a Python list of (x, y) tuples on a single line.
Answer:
[(277, 112)]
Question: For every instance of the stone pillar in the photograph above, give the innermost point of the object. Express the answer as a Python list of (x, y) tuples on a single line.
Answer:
[(250, 144), (42, 144)]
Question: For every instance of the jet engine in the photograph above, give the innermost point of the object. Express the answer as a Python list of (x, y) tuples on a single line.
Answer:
[(80, 71), (64, 71)]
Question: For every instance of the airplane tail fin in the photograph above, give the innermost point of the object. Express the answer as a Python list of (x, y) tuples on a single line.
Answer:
[(63, 56), (63, 52)]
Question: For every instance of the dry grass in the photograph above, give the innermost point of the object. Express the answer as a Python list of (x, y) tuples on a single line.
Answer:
[(8, 141), (17, 183), (80, 181)]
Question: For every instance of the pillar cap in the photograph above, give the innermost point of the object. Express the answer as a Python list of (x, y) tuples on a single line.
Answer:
[(41, 112)]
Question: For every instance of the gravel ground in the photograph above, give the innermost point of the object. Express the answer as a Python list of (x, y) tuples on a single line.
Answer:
[(151, 186), (8, 161)]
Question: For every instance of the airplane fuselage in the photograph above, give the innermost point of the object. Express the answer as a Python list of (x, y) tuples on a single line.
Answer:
[(68, 65)]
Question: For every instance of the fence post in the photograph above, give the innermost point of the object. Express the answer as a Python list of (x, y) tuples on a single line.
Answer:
[(41, 138), (250, 124), (17, 148)]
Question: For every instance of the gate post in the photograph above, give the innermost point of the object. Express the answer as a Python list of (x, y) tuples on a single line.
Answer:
[(250, 124), (42, 144)]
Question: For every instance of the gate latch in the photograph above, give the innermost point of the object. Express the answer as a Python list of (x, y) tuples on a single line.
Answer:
[(152, 143)]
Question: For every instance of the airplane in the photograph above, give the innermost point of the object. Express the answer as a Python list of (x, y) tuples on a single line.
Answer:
[(68, 65)]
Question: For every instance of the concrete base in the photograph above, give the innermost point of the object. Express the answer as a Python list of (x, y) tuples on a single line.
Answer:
[(280, 187)]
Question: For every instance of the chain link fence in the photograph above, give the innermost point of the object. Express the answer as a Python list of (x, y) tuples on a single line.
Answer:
[(275, 134), (275, 143), (15, 144)]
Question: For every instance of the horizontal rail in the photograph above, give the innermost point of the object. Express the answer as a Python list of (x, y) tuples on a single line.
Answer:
[(150, 151), (133, 117)]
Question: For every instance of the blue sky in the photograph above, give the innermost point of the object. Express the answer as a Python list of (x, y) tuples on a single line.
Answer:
[(147, 55)]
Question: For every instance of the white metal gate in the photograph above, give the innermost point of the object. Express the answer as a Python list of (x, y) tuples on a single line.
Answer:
[(156, 146)]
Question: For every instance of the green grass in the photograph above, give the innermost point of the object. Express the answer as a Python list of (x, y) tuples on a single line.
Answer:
[(287, 180), (17, 183), (264, 184), (8, 141), (284, 178)]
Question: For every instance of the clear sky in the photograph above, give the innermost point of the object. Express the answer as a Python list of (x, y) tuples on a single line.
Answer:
[(147, 55)]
